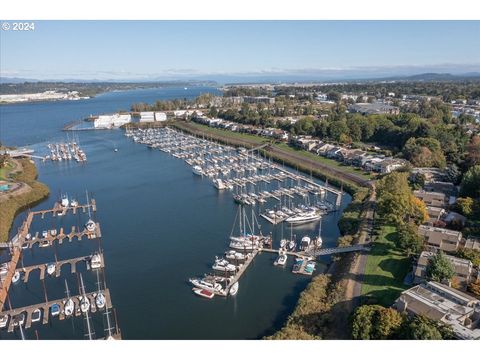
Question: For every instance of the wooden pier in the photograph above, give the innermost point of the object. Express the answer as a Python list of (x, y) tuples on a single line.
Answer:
[(58, 267), (45, 309), (61, 236)]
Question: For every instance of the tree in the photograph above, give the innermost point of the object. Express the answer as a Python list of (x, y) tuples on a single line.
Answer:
[(422, 328), (375, 322), (470, 254), (474, 287), (473, 149), (418, 210), (465, 206), (394, 198), (470, 185), (439, 268), (424, 152), (408, 239)]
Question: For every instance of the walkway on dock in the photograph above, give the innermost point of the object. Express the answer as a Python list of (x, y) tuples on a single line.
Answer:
[(338, 250), (45, 308), (62, 236), (58, 267)]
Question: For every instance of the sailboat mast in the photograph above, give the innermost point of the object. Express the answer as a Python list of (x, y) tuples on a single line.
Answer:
[(86, 313)]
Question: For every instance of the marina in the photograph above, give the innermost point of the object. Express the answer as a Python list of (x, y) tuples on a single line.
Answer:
[(73, 305), (253, 181), (193, 218)]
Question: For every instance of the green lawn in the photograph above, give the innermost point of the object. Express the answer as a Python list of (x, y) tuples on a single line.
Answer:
[(229, 134), (4, 171), (329, 162), (385, 270)]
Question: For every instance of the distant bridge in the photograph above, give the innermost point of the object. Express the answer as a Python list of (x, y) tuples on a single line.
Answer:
[(338, 250)]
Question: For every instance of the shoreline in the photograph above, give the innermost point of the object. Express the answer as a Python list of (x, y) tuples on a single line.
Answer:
[(15, 204)]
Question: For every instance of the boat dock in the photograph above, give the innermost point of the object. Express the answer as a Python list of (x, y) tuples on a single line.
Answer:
[(61, 236), (45, 308), (58, 267)]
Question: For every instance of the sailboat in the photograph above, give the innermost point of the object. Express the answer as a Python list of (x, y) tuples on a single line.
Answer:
[(318, 240), (90, 225), (69, 305), (84, 307), (100, 300)]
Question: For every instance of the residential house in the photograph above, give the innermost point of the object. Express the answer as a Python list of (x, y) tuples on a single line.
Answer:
[(440, 238), (442, 303), (432, 198), (463, 269)]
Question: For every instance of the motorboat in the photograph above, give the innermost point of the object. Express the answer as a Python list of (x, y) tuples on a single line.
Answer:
[(36, 315), (69, 307), (291, 245), (204, 293), (281, 259), (28, 236), (16, 277), (53, 232), (233, 289), (74, 203), (305, 243), (96, 261), (44, 233), (64, 202), (206, 284), (197, 170), (283, 243), (90, 225), (234, 255), (3, 321), (303, 218), (84, 304), (243, 245), (51, 267), (44, 243), (18, 320), (223, 265), (310, 267), (100, 300), (219, 184), (55, 309)]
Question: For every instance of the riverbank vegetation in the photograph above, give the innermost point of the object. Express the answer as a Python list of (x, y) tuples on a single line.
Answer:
[(33, 192), (375, 322)]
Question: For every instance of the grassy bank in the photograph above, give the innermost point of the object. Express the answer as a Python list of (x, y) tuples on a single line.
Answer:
[(14, 204), (385, 270)]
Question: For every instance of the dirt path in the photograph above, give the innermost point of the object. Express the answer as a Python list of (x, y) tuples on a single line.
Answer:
[(353, 289)]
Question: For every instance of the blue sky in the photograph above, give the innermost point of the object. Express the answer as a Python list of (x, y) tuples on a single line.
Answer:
[(176, 49)]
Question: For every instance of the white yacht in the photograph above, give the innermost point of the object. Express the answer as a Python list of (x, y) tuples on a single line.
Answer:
[(234, 255), (51, 267), (96, 261), (36, 315), (16, 277), (233, 289), (3, 321), (223, 265), (100, 300), (283, 243), (219, 184), (65, 201), (281, 260), (69, 307), (84, 304), (205, 284), (90, 225), (243, 245), (305, 243), (74, 203), (304, 217), (197, 170)]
